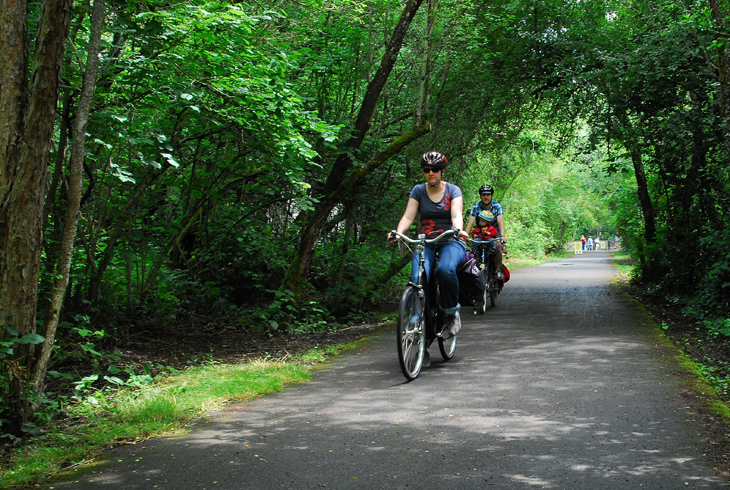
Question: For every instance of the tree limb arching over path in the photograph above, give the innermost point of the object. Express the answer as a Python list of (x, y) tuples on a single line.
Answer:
[(561, 385)]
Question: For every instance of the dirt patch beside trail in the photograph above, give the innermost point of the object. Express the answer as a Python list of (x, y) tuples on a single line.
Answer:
[(180, 347)]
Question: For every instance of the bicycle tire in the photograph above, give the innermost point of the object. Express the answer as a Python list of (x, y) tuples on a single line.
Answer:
[(492, 284), (446, 346), (411, 333)]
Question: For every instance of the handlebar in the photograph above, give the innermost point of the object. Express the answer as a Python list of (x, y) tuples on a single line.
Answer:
[(485, 240), (422, 238)]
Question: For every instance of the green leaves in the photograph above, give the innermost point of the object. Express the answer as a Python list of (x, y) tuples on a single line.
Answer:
[(11, 338)]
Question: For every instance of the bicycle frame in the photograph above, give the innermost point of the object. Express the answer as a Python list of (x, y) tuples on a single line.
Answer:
[(419, 246), (485, 257), (418, 326)]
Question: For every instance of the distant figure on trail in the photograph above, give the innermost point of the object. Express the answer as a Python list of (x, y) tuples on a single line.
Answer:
[(491, 213), (583, 242), (597, 244), (590, 243)]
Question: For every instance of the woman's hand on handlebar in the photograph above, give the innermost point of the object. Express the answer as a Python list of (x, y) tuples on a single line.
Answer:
[(392, 237), (460, 234)]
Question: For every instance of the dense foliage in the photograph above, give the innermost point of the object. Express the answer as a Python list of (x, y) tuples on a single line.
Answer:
[(223, 136)]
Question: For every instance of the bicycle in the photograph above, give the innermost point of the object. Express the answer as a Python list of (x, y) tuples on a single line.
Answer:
[(484, 251), (420, 321)]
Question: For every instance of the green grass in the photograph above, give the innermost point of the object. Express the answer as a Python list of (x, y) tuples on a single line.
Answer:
[(624, 264), (165, 406), (519, 262)]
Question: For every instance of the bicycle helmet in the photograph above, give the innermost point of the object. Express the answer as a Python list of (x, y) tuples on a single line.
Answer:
[(433, 159), (486, 189), (486, 215)]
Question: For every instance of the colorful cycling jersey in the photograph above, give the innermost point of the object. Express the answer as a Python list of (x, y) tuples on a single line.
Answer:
[(435, 217), (484, 233), (494, 209)]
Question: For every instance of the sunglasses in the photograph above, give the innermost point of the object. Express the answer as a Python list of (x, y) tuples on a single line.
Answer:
[(431, 169)]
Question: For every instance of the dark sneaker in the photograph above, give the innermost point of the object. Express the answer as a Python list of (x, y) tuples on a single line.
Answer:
[(500, 276), (453, 324)]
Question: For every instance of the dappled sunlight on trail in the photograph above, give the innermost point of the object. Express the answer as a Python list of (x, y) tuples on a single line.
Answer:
[(558, 386)]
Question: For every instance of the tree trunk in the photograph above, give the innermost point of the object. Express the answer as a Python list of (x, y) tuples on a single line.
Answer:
[(75, 186), (297, 273), (723, 69), (120, 225), (394, 268), (335, 187), (424, 88), (372, 285), (26, 128), (349, 225), (631, 143)]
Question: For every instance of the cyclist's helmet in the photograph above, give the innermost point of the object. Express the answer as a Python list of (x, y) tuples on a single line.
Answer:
[(433, 159), (486, 215), (486, 189)]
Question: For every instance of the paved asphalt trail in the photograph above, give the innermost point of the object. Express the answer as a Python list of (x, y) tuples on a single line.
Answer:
[(559, 386)]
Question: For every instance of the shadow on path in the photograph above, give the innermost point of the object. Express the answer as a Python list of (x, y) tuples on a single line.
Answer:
[(558, 386)]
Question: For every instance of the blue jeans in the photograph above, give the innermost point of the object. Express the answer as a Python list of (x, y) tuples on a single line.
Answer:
[(452, 254)]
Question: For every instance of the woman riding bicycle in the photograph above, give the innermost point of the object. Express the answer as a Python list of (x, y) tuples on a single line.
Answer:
[(440, 205)]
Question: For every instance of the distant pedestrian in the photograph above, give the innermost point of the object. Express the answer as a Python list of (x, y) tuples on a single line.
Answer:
[(590, 243), (597, 244), (583, 242)]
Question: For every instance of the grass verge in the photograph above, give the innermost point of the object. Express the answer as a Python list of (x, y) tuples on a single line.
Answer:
[(624, 264), (519, 262), (164, 406)]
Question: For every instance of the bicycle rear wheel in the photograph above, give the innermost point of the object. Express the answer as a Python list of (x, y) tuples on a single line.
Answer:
[(447, 347), (411, 333)]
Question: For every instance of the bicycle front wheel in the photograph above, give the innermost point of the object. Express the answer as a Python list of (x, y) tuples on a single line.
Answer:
[(411, 334)]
